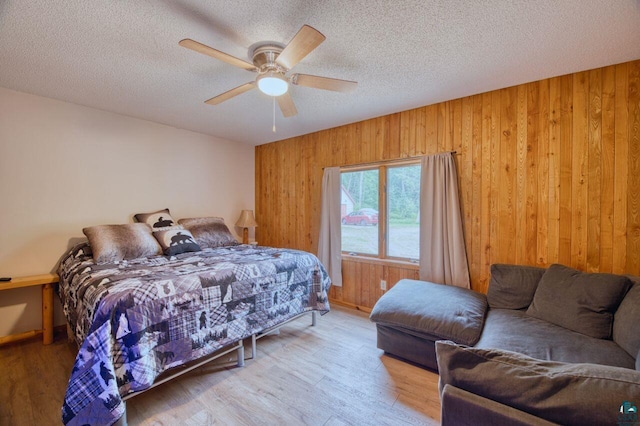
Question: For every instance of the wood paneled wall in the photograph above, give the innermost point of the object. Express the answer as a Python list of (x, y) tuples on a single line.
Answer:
[(549, 172)]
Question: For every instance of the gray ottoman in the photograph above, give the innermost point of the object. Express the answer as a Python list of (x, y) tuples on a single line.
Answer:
[(413, 315)]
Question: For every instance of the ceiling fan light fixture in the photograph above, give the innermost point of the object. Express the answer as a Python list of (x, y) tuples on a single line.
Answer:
[(272, 61), (272, 84)]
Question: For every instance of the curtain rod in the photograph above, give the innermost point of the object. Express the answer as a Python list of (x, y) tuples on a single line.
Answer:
[(397, 160)]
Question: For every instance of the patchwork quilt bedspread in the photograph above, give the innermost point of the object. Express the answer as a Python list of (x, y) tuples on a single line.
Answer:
[(138, 318)]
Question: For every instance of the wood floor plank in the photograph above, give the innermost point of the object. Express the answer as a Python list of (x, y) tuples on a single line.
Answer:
[(336, 421), (14, 392), (367, 411), (417, 405), (331, 374)]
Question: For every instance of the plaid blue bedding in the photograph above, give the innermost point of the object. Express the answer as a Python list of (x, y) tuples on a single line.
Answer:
[(138, 318)]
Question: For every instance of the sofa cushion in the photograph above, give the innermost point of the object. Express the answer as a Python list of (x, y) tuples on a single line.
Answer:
[(571, 394), (513, 286), (579, 301), (516, 331), (462, 408), (626, 320), (439, 310)]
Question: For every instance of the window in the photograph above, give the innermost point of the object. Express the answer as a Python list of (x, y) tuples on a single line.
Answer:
[(403, 205), (380, 210), (359, 204)]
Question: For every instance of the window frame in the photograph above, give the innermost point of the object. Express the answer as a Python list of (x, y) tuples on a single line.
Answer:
[(383, 219)]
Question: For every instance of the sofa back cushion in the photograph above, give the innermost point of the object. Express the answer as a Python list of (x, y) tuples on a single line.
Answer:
[(569, 394), (513, 286), (579, 301), (627, 320)]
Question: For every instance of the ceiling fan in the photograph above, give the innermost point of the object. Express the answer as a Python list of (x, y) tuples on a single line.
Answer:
[(272, 62)]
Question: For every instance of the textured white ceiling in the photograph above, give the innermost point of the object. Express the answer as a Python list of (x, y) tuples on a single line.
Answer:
[(123, 55)]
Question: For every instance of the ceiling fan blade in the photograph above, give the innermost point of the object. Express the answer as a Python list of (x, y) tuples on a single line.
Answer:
[(214, 53), (231, 93), (285, 102), (324, 83), (301, 45)]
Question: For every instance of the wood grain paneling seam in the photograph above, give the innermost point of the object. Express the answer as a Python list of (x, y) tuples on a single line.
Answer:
[(549, 172)]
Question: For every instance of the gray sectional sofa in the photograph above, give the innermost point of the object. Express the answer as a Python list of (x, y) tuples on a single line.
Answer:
[(543, 346)]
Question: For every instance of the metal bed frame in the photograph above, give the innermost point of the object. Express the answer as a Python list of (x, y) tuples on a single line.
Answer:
[(238, 347)]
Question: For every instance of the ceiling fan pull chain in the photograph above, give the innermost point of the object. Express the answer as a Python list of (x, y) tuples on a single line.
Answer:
[(274, 114)]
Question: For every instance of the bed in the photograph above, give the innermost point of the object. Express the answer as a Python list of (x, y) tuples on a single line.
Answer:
[(136, 319)]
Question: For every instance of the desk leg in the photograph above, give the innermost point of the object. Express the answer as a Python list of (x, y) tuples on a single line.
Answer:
[(47, 314)]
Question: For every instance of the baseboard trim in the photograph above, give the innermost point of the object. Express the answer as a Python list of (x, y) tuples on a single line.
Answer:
[(350, 305)]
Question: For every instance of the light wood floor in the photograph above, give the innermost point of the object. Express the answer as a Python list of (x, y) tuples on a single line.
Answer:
[(331, 374)]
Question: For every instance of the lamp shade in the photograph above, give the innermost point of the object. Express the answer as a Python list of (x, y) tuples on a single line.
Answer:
[(246, 220), (272, 84)]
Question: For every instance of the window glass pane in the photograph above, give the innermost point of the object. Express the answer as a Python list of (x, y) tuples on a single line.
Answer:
[(359, 212), (403, 204)]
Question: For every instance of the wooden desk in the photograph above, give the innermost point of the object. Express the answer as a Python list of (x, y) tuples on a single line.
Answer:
[(46, 281)]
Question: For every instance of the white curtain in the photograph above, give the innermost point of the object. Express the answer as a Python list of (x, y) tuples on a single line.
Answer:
[(329, 243), (443, 258)]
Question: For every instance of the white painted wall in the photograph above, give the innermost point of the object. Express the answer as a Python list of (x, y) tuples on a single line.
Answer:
[(64, 167)]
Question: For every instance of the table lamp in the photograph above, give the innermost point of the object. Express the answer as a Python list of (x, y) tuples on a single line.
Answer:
[(245, 222)]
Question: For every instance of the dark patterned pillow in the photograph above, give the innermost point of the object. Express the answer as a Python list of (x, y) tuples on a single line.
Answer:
[(175, 241), (209, 232), (157, 220), (112, 243)]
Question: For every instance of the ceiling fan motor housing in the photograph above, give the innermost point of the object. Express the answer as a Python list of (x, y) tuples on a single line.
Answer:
[(264, 58)]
